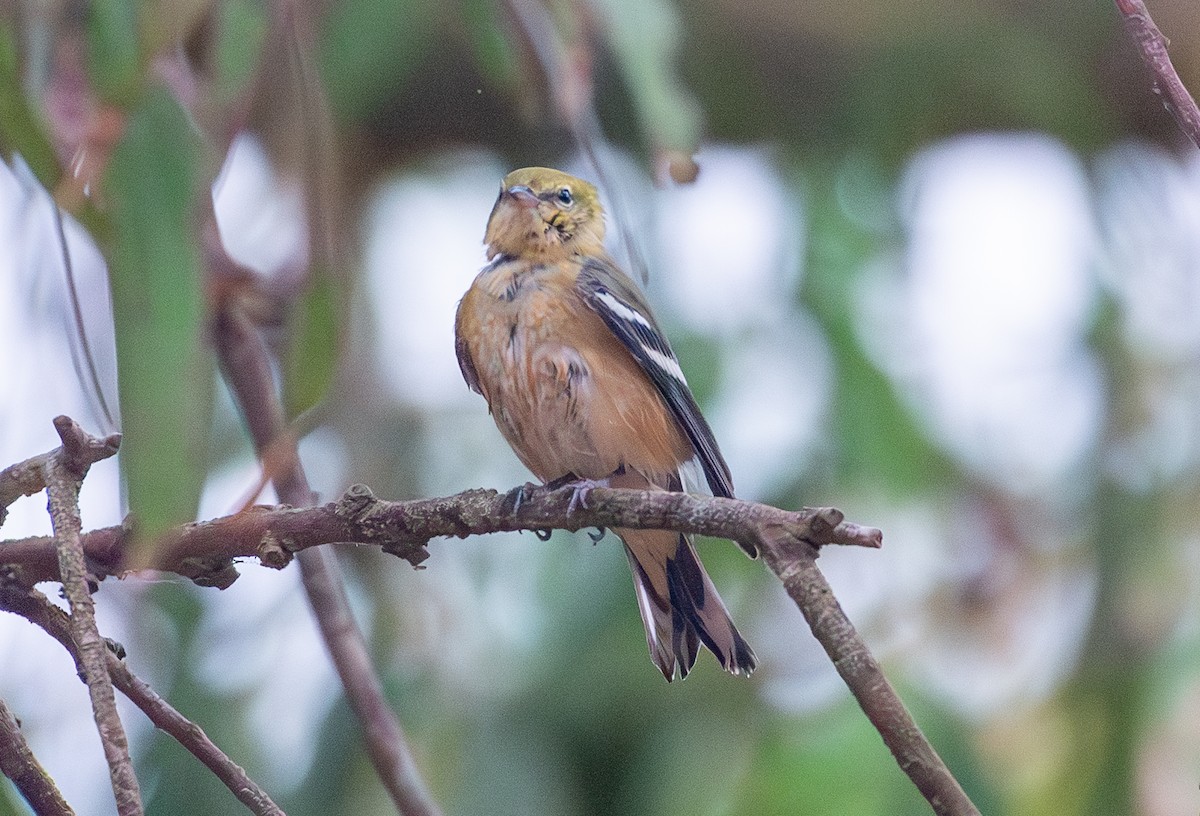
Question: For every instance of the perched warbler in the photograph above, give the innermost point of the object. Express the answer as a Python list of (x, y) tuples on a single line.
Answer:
[(584, 386)]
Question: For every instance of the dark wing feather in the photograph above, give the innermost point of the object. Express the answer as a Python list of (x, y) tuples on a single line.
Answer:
[(465, 364), (612, 295)]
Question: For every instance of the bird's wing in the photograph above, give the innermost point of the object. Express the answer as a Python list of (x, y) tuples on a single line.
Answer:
[(619, 303), (463, 352), (466, 365)]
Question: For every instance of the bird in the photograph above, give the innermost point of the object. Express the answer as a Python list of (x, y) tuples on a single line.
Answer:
[(583, 385)]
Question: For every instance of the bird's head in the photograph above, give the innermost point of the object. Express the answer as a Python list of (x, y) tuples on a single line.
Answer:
[(546, 215)]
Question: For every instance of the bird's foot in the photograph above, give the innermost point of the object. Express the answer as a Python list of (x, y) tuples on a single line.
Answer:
[(580, 490)]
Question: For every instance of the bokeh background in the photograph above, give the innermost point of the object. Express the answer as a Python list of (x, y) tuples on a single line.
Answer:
[(940, 268)]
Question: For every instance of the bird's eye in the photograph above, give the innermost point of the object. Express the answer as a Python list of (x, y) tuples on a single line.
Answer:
[(564, 196)]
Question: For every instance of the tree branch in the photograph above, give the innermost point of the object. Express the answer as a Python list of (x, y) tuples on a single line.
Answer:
[(246, 366), (794, 562), (204, 551), (789, 541), (37, 608), (19, 764), (64, 472), (1153, 47), (245, 363), (29, 477)]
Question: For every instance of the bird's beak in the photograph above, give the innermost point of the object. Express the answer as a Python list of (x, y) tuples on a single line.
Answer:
[(523, 196)]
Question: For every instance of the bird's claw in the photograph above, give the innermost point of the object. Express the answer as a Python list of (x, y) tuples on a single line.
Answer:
[(580, 490)]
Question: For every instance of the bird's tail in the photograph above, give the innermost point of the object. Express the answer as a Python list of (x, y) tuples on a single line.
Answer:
[(680, 606)]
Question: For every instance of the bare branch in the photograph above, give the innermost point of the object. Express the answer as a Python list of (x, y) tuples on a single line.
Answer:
[(29, 477), (274, 534), (19, 764), (789, 541), (795, 564), (1153, 47), (245, 363), (36, 608), (63, 474)]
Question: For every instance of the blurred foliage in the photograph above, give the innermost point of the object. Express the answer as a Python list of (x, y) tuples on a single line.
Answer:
[(19, 129), (370, 49), (115, 56), (899, 461), (166, 376), (311, 359), (569, 717), (11, 802), (645, 38), (241, 27), (997, 75)]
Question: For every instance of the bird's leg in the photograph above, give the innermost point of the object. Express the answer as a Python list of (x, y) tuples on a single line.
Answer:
[(563, 481)]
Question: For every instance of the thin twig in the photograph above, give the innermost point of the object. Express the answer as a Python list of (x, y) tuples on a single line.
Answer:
[(37, 608), (29, 477), (19, 764), (794, 562), (93, 387), (246, 366), (64, 473), (1153, 47)]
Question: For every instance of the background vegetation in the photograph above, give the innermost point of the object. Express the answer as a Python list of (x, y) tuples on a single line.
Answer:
[(940, 268)]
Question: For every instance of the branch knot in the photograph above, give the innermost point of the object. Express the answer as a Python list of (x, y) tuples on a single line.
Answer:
[(356, 503)]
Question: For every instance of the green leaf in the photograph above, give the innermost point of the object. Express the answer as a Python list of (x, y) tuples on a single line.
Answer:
[(497, 59), (114, 52), (645, 37), (370, 49), (165, 373), (20, 129), (312, 355), (241, 32)]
